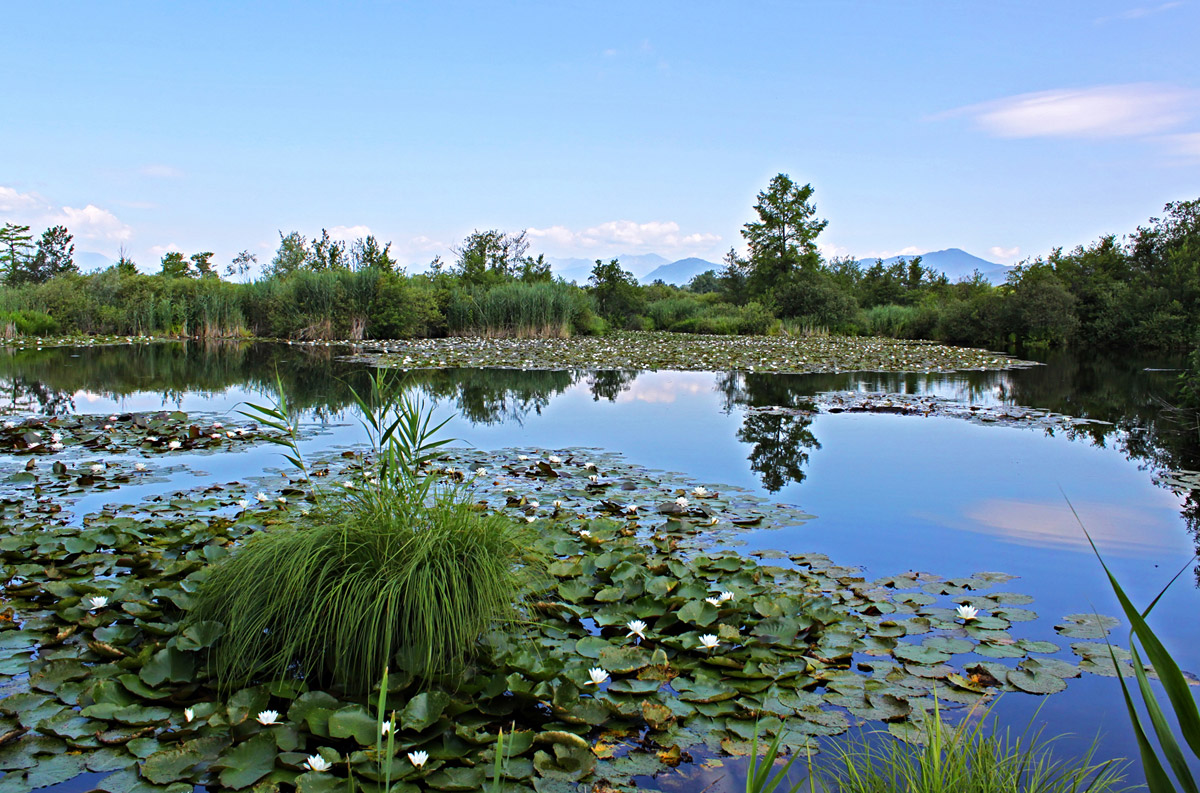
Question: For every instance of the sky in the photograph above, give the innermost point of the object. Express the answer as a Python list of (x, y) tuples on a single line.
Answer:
[(1005, 129)]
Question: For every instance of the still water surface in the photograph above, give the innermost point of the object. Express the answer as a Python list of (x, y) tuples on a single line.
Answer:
[(888, 493)]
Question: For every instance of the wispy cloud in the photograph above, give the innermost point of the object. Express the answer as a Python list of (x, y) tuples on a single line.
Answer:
[(1140, 12), (1003, 254), (89, 223), (1106, 111), (627, 234), (1185, 145)]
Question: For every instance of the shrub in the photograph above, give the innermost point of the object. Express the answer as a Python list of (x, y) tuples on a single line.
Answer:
[(28, 323)]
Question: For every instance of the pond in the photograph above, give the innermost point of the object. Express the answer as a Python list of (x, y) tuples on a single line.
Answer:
[(939, 487)]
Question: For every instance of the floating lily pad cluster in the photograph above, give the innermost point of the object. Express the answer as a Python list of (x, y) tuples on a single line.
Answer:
[(684, 351), (147, 433), (642, 650), (43, 342), (931, 405)]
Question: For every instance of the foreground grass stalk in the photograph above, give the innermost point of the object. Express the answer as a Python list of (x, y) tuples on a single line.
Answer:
[(1178, 692)]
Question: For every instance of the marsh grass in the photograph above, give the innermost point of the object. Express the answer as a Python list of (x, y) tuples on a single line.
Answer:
[(396, 569), (966, 759), (517, 310)]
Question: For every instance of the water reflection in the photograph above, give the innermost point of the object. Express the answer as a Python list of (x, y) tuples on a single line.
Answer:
[(1127, 402)]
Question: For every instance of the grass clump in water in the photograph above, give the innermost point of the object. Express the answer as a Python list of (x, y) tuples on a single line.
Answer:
[(395, 570), (966, 759)]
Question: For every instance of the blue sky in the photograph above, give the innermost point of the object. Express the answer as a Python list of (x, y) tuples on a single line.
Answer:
[(1001, 128)]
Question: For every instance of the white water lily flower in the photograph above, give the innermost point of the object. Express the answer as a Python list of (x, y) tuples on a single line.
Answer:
[(188, 714), (217, 424), (584, 533), (709, 642), (509, 490), (261, 496), (316, 762), (152, 438), (56, 436), (681, 501), (713, 602), (139, 466), (699, 492), (554, 459), (418, 759), (108, 426), (590, 466), (348, 485), (636, 628), (267, 717), (967, 613), (480, 472), (281, 500), (56, 447), (386, 728), (597, 675), (33, 445), (533, 504), (174, 445), (726, 596), (216, 436), (230, 434), (97, 602), (243, 503), (522, 457), (8, 425), (530, 518), (593, 479), (632, 508), (97, 468), (557, 504)]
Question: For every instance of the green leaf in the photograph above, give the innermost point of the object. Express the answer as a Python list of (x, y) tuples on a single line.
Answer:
[(354, 722), (248, 762), (168, 664), (423, 710)]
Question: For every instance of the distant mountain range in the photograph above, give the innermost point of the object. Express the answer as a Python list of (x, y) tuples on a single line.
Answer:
[(956, 263), (650, 267)]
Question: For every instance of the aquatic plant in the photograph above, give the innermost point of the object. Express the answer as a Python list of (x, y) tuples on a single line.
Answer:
[(386, 569), (1174, 684), (967, 758)]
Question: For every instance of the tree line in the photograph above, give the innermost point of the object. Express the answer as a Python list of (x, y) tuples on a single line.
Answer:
[(1137, 291)]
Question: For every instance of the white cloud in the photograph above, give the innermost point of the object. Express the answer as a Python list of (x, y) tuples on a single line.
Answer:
[(349, 233), (89, 223), (13, 201), (911, 250), (1105, 111), (1140, 12), (161, 250), (1004, 253), (628, 235), (159, 171), (94, 223)]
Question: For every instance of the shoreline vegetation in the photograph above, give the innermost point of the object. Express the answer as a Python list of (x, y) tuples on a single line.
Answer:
[(1141, 291)]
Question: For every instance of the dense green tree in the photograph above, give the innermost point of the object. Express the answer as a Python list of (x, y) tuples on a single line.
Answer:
[(54, 256), (705, 283), (366, 252), (292, 255), (124, 265), (616, 291), (327, 254), (490, 257), (175, 266), (15, 244), (784, 238), (202, 265)]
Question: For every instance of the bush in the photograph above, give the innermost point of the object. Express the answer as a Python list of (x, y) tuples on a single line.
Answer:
[(28, 323)]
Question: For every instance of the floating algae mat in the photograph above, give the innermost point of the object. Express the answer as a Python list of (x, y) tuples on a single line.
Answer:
[(102, 677), (685, 351)]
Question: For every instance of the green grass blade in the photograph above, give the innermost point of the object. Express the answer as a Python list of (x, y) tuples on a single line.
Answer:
[(1166, 738)]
